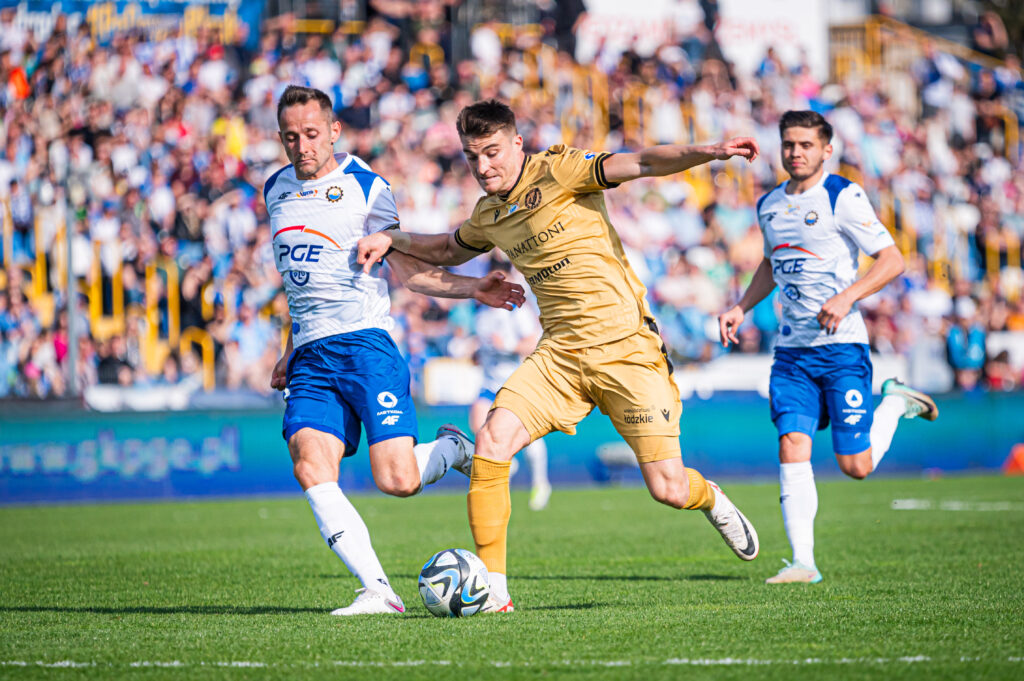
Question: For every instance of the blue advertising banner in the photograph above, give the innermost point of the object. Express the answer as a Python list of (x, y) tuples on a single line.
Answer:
[(88, 456), (232, 19)]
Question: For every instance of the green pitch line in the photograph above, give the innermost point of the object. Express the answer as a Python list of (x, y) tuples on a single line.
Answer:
[(607, 584)]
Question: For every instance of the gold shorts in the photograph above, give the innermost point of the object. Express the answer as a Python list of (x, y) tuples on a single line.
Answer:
[(630, 380)]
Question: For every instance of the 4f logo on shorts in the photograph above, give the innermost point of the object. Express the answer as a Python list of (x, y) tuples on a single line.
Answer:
[(389, 420), (386, 400)]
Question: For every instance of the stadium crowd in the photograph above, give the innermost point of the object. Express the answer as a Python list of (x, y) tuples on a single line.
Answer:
[(157, 150)]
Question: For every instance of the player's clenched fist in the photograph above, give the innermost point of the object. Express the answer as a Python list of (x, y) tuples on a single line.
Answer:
[(372, 248), (728, 323), (744, 147)]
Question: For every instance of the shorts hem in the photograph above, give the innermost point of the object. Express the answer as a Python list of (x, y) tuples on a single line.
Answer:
[(390, 436), (796, 423)]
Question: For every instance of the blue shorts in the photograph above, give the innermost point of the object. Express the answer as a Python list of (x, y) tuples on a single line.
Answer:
[(339, 382), (811, 386)]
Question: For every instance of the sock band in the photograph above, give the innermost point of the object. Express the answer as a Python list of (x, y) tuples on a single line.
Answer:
[(702, 495)]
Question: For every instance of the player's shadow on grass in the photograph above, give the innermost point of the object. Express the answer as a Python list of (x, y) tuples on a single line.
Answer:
[(609, 578), (166, 610)]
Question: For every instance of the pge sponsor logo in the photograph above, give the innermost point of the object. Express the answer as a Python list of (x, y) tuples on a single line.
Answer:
[(790, 266), (299, 252)]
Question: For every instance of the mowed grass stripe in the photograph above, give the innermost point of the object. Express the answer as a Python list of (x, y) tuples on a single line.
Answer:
[(604, 575)]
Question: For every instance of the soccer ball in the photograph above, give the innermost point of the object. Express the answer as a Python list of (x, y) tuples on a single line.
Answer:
[(454, 583)]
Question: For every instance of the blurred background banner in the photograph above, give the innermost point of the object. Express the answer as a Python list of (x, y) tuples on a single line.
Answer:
[(73, 456)]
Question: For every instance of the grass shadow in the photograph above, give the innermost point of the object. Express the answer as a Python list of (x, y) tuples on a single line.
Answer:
[(166, 610)]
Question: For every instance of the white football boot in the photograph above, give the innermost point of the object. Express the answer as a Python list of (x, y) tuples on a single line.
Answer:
[(373, 603), (795, 573), (539, 496), (918, 404), (734, 527), (495, 605), (464, 464)]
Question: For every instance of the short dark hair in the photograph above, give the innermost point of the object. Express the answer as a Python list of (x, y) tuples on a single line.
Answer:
[(485, 118), (806, 119), (295, 95)]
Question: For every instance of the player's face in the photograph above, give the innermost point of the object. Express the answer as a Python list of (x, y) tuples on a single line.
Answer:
[(495, 160), (803, 152), (308, 135)]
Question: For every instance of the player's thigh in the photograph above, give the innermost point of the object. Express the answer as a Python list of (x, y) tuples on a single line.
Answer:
[(847, 388), (630, 382), (795, 396), (545, 393), (394, 467)]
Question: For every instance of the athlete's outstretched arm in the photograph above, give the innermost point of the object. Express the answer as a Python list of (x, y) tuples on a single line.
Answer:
[(435, 249), (668, 159), (887, 266), (492, 290), (760, 286)]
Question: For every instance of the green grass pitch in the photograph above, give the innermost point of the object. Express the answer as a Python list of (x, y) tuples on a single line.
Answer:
[(608, 584)]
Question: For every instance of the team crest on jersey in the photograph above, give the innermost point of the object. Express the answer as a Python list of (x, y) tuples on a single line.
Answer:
[(791, 292), (532, 198), (298, 278), (811, 219), (334, 194)]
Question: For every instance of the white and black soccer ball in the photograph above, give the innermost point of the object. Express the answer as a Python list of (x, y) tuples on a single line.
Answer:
[(454, 583)]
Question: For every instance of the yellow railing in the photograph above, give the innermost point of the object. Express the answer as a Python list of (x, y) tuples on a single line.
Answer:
[(154, 348), (103, 325), (196, 336)]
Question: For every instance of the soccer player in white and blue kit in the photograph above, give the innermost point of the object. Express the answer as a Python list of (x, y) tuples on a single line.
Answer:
[(341, 369), (815, 225)]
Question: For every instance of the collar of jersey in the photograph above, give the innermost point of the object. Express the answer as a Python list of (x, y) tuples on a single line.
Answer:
[(504, 197), (824, 176)]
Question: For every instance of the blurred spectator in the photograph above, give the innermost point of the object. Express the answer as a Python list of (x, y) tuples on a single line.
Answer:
[(159, 150)]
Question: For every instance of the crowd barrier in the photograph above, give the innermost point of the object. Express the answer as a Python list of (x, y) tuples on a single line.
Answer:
[(78, 456)]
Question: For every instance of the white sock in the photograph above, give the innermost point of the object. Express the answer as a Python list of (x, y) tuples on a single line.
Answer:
[(887, 416), (499, 585), (346, 533), (435, 458), (537, 454), (799, 499)]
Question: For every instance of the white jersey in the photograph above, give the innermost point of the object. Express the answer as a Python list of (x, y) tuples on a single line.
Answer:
[(500, 333), (813, 240), (316, 225)]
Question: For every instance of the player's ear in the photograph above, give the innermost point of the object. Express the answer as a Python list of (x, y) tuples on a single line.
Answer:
[(335, 130), (828, 152)]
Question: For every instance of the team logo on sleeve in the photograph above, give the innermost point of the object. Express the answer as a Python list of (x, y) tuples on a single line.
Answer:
[(532, 198), (811, 219), (334, 194)]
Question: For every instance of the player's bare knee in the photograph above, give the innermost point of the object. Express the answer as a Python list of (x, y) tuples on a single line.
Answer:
[(399, 485), (855, 468)]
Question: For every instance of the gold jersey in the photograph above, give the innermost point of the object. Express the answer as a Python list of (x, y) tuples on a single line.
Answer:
[(554, 227)]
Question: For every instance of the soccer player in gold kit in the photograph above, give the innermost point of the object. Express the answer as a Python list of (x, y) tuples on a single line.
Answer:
[(600, 346)]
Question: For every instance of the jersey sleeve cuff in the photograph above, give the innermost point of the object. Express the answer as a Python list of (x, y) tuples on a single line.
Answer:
[(463, 244), (599, 171)]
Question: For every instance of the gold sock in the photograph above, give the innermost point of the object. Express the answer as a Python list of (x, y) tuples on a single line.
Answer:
[(702, 496), (489, 507)]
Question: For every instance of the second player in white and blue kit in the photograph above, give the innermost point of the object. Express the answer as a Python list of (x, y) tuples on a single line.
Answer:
[(815, 226)]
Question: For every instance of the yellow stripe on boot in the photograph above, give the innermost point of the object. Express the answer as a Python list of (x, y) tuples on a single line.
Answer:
[(490, 507)]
